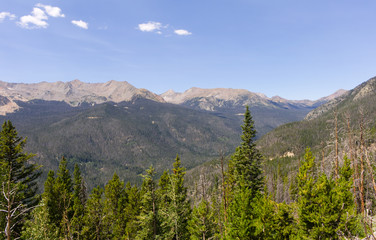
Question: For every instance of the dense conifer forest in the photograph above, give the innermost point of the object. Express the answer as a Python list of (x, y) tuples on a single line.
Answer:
[(237, 204)]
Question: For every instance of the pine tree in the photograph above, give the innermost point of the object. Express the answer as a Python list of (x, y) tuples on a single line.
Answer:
[(63, 190), (114, 205), (17, 180), (94, 226), (325, 204), (245, 163), (176, 213), (39, 227), (149, 219), (132, 210), (241, 214), (246, 182), (201, 225), (79, 200)]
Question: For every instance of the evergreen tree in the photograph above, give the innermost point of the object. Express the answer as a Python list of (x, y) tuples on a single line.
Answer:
[(63, 191), (325, 204), (246, 182), (201, 225), (94, 226), (79, 200), (132, 210), (241, 214), (114, 205), (149, 219), (18, 186), (274, 221), (176, 213), (245, 163), (39, 227)]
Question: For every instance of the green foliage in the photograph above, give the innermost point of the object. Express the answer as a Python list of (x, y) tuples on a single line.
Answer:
[(132, 210), (149, 218), (39, 227), (241, 214), (79, 200), (245, 163), (202, 223), (114, 205), (93, 219), (176, 213), (325, 204), (17, 179)]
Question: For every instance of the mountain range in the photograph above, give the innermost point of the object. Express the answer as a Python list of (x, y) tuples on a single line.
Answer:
[(268, 112), (114, 126)]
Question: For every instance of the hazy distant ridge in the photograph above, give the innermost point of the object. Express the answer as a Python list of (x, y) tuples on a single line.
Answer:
[(210, 99), (73, 92)]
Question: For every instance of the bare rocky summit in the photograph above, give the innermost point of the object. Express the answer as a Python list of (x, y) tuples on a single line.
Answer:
[(211, 99), (74, 93)]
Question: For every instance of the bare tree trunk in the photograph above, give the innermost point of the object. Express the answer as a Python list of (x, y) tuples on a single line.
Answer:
[(336, 135), (370, 171), (224, 188), (352, 157), (224, 195), (361, 164)]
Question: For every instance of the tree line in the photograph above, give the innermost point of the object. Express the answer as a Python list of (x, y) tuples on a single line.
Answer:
[(238, 205)]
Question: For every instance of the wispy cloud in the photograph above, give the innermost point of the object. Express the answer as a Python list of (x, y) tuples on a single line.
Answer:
[(157, 27), (8, 15), (39, 16), (35, 20), (151, 27), (51, 11), (81, 24), (182, 32)]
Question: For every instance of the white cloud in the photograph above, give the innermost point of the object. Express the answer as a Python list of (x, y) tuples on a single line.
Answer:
[(182, 32), (81, 24), (4, 15), (51, 11), (35, 20), (150, 27)]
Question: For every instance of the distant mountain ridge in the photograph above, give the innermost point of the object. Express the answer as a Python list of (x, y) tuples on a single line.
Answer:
[(74, 93), (212, 99)]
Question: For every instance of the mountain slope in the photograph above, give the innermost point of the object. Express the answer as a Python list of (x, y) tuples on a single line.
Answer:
[(317, 130), (125, 137)]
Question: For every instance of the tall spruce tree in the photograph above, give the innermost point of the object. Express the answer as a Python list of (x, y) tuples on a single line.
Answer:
[(245, 163), (246, 182), (132, 210), (149, 218), (94, 227), (114, 206), (79, 201), (17, 179), (176, 213)]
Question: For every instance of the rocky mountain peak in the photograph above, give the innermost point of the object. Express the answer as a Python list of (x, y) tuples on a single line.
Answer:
[(74, 92)]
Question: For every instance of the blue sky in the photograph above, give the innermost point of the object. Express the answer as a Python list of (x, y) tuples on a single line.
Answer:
[(292, 48)]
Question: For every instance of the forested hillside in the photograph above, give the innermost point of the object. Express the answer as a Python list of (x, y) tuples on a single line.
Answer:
[(236, 206), (342, 127), (126, 137)]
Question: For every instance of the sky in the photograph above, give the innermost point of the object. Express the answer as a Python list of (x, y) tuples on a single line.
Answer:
[(292, 48)]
